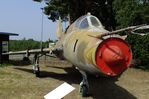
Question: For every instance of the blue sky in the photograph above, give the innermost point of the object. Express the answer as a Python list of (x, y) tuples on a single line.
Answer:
[(24, 17)]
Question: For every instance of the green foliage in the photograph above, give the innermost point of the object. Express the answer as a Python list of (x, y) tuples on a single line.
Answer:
[(112, 13), (18, 45), (131, 12), (77, 8), (134, 12), (140, 48)]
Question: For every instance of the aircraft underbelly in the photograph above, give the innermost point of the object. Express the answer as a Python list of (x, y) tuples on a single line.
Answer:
[(90, 68)]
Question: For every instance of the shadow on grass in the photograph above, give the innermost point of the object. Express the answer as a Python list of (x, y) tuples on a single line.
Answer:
[(145, 67), (72, 76), (106, 88), (18, 62), (101, 88)]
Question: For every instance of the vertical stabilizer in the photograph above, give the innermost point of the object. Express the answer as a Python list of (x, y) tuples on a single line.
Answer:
[(59, 28)]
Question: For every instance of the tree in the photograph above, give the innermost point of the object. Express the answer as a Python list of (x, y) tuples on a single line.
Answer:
[(18, 45), (112, 13), (76, 8), (134, 12), (131, 12)]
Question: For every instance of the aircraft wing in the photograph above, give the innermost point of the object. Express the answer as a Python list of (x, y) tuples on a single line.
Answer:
[(53, 51), (45, 50)]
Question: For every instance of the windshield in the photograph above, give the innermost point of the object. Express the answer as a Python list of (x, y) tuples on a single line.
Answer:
[(84, 24), (94, 21)]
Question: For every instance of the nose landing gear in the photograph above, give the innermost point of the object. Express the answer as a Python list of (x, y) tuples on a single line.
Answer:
[(84, 86)]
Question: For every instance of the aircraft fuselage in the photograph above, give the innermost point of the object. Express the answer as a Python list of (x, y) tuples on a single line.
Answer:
[(110, 55)]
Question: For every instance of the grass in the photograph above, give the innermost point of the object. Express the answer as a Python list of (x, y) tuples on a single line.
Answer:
[(17, 82), (15, 63)]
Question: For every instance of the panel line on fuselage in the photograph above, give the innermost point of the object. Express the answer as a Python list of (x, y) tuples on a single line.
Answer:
[(74, 49)]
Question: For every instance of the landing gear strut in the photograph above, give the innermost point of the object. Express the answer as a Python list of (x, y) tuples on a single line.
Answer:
[(36, 68), (84, 86)]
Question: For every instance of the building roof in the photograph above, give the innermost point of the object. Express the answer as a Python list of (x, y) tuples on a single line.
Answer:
[(6, 33)]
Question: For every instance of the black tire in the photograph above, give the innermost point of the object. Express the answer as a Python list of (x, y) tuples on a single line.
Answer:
[(84, 91)]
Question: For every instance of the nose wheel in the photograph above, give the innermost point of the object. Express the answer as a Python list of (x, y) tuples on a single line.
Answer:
[(84, 91)]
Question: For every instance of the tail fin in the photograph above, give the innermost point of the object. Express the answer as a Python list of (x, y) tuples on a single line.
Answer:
[(59, 28)]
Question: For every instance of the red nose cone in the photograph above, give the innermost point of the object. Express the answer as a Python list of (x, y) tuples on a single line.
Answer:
[(113, 56)]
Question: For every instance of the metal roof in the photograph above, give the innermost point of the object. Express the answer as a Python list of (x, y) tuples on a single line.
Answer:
[(6, 33)]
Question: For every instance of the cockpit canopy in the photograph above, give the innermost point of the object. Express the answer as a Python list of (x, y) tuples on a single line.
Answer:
[(87, 21)]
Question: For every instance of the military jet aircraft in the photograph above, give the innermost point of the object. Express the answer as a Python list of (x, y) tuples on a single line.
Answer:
[(90, 48)]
